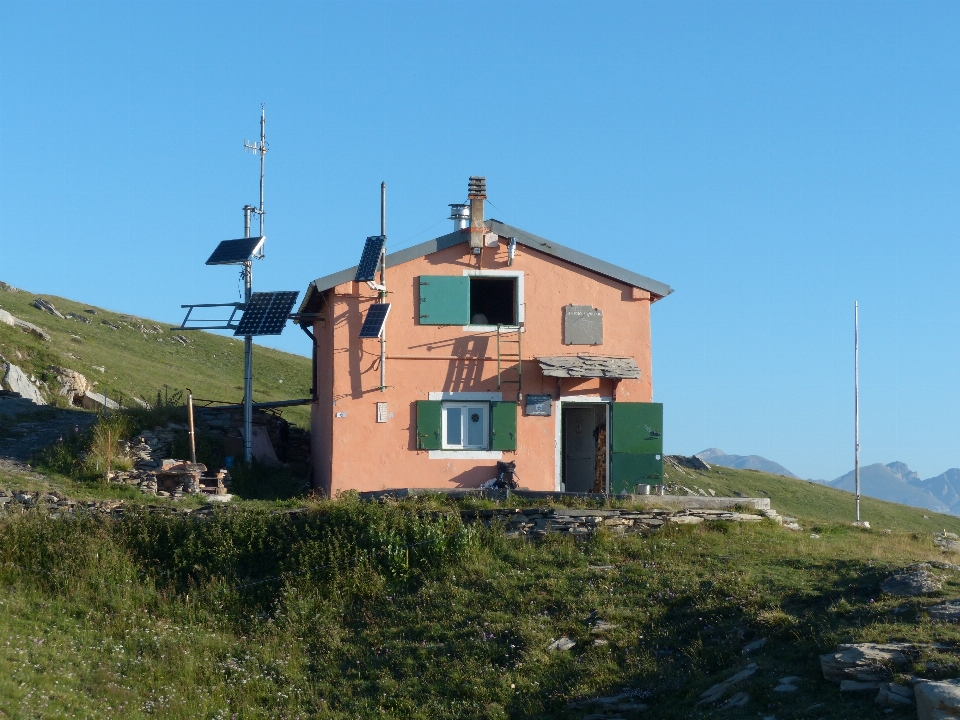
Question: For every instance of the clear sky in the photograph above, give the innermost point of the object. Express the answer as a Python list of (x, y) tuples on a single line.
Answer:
[(772, 161)]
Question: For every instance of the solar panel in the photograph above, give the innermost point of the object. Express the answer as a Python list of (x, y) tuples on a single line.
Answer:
[(370, 260), (231, 252), (373, 323), (266, 313)]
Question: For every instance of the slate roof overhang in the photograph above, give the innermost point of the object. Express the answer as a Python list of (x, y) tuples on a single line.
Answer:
[(310, 302), (589, 366)]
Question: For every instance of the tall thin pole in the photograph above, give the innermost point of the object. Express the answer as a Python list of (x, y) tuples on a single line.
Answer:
[(383, 285), (263, 156), (247, 353), (260, 149), (193, 440), (856, 402)]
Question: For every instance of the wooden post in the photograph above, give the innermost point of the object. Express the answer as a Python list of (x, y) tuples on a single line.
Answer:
[(193, 443)]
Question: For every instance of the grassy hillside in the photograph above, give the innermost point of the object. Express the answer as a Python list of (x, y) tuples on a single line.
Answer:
[(352, 610), (141, 364), (812, 502)]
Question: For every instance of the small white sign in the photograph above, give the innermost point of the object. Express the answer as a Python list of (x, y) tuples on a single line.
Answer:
[(381, 412), (341, 414)]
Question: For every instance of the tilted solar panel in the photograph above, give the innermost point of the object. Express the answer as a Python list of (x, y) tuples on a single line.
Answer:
[(232, 252), (266, 313), (370, 260), (373, 323)]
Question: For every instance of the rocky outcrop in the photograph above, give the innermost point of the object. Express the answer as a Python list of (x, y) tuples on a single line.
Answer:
[(865, 662), (916, 581), (16, 380), (937, 700), (95, 401), (41, 304), (73, 385)]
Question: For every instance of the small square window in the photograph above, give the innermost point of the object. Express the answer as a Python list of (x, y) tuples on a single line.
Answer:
[(465, 426)]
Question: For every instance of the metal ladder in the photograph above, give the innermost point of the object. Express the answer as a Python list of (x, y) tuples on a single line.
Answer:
[(506, 358)]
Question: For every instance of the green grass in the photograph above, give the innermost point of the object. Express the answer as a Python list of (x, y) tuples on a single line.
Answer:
[(142, 365), (398, 611), (814, 502)]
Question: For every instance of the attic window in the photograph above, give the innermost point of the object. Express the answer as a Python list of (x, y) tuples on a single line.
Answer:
[(493, 300)]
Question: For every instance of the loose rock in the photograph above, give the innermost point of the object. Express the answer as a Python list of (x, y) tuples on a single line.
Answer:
[(864, 662), (717, 691), (918, 581), (937, 700)]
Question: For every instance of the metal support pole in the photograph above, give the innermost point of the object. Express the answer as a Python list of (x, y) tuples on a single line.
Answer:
[(856, 402), (193, 440), (248, 352), (383, 284)]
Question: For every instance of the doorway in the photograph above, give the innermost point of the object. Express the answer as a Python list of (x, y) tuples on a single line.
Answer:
[(584, 447)]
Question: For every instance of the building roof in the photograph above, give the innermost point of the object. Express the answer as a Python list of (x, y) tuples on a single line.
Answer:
[(549, 247), (583, 365)]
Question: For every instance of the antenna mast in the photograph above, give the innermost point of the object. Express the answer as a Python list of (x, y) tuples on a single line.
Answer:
[(856, 402), (260, 148)]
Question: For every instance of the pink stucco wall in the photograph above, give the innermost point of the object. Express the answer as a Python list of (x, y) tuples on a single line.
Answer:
[(354, 451)]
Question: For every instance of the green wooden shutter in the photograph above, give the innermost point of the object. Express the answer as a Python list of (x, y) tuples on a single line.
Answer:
[(444, 300), (636, 445), (503, 426), (429, 424)]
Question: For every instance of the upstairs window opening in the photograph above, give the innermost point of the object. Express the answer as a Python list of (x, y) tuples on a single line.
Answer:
[(493, 301)]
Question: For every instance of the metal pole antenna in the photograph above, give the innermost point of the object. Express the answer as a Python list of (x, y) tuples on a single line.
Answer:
[(856, 402), (260, 149), (247, 362), (383, 284), (263, 155)]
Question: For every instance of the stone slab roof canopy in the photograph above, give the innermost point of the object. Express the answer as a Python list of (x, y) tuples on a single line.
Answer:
[(574, 257), (589, 366)]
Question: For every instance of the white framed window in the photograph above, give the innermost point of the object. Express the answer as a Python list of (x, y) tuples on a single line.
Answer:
[(466, 426), (496, 297)]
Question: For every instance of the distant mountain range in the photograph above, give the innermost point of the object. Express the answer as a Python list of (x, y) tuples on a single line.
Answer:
[(894, 482), (743, 462)]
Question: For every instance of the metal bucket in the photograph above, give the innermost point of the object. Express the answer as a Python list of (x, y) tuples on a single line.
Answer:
[(643, 489)]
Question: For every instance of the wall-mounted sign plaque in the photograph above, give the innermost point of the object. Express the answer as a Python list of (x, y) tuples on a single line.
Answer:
[(539, 405)]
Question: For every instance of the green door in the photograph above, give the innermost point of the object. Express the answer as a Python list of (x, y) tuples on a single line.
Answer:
[(444, 300), (636, 446), (429, 424), (503, 426)]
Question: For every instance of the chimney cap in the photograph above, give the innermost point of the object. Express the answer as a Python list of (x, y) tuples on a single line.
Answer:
[(477, 188)]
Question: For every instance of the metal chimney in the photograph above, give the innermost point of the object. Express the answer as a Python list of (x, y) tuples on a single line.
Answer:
[(476, 193), (460, 214)]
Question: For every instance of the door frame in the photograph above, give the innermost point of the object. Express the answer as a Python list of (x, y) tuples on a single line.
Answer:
[(558, 434)]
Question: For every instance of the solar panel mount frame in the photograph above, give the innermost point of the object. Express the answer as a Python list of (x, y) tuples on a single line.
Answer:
[(267, 313)]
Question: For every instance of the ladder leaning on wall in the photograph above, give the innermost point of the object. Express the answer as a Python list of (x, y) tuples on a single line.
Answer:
[(509, 355)]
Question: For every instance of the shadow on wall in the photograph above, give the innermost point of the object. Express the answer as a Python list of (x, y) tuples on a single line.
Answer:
[(465, 372)]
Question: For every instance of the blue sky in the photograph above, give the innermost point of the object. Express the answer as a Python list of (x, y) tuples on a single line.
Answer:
[(772, 161)]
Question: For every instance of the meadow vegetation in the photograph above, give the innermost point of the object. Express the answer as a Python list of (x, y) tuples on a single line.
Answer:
[(344, 609)]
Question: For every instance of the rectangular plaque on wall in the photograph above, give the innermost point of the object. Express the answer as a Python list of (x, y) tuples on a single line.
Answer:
[(539, 405), (582, 325)]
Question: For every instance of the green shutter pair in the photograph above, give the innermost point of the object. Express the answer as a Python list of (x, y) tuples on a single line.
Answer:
[(444, 300), (636, 445), (503, 425)]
